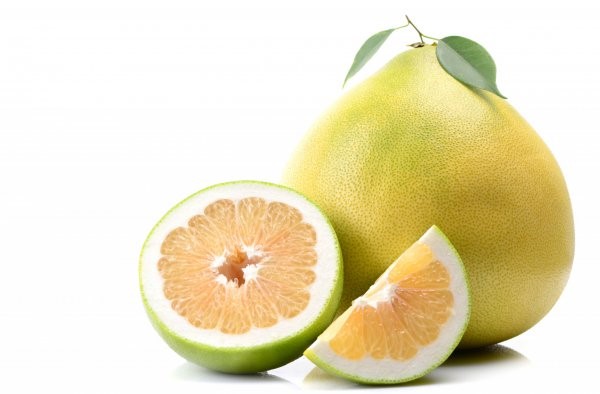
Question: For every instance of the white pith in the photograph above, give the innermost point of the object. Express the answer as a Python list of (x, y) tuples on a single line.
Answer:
[(252, 251), (251, 271), (383, 295), (217, 262), (321, 289), (370, 369)]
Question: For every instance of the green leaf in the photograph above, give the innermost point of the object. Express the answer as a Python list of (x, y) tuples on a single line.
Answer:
[(468, 62), (366, 52)]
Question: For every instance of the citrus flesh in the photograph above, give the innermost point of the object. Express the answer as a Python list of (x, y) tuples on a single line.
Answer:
[(410, 146), (241, 277), (406, 324)]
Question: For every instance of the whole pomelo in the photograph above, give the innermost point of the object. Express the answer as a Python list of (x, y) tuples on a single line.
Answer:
[(411, 147)]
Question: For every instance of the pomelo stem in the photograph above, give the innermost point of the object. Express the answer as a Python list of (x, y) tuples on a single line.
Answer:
[(421, 35)]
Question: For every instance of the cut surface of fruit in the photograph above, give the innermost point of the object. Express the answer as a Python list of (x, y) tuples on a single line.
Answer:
[(406, 324), (237, 271)]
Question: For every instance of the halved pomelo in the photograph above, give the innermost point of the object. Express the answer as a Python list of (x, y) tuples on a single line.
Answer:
[(406, 324), (241, 277)]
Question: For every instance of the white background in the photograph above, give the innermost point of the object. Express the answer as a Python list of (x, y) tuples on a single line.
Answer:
[(112, 111)]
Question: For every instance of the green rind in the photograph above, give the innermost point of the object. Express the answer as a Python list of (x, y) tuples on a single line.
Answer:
[(245, 360), (315, 359)]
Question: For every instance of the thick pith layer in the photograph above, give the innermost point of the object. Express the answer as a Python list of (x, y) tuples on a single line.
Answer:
[(306, 253), (240, 264)]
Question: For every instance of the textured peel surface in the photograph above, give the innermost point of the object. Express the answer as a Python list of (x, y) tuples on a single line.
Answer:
[(411, 146)]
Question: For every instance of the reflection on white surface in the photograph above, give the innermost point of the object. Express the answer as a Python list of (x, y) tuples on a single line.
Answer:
[(470, 365), (194, 373), (317, 379), (494, 365), (487, 356), (462, 366)]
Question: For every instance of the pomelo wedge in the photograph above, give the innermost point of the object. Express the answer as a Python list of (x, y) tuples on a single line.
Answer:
[(241, 277), (406, 324)]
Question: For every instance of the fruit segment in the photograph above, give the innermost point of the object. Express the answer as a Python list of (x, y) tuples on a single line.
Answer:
[(404, 311), (408, 321), (240, 264)]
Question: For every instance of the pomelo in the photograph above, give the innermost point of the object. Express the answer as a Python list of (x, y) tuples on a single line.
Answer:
[(406, 324), (241, 277), (411, 146)]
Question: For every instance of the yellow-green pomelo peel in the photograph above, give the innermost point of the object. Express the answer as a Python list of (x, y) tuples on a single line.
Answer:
[(411, 146)]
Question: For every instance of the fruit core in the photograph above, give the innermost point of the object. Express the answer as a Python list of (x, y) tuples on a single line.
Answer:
[(239, 265)]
